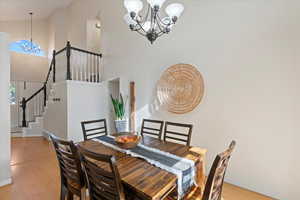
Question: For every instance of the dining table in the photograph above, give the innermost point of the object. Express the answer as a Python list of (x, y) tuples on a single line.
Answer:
[(146, 180)]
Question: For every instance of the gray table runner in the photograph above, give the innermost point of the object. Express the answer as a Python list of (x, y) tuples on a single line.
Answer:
[(183, 168)]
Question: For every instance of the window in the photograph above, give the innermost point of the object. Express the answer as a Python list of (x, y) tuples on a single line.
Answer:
[(26, 47), (12, 94)]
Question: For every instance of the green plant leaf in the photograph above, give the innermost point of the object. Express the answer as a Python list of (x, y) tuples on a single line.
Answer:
[(119, 106)]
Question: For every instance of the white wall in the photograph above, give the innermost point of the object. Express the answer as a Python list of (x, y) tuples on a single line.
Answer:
[(5, 174), (79, 101), (55, 117), (23, 66), (86, 101), (93, 35), (58, 25), (247, 52)]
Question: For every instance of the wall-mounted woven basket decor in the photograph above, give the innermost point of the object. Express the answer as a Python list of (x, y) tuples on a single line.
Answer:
[(180, 88)]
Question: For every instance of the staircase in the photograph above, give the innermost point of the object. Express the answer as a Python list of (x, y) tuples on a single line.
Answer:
[(36, 127), (69, 63)]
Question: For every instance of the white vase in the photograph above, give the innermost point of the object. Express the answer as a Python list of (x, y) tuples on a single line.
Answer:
[(122, 125)]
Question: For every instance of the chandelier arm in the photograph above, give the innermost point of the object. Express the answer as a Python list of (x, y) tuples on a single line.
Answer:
[(141, 27), (159, 26), (137, 28), (162, 21), (161, 33), (158, 20), (141, 33), (147, 15), (139, 24), (144, 20)]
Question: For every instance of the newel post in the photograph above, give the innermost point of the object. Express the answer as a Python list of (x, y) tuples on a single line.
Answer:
[(23, 105), (54, 63), (68, 61)]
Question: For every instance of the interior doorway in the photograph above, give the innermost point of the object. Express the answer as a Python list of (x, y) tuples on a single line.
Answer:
[(114, 91)]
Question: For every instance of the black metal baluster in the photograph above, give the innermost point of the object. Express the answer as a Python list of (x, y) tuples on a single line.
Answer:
[(24, 123), (54, 65), (45, 95)]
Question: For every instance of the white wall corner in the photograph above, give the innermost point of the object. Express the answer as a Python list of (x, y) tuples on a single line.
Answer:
[(6, 182)]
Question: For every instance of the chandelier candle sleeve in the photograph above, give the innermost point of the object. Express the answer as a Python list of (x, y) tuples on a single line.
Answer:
[(152, 25)]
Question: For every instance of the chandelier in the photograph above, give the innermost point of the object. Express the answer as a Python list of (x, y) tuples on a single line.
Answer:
[(29, 46), (152, 25)]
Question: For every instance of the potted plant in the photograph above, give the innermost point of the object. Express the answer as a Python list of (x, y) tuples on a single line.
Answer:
[(119, 107)]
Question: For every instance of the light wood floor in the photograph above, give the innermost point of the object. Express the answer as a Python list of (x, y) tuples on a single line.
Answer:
[(36, 175)]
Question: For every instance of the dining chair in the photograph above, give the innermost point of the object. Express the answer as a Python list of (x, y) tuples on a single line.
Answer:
[(103, 178), (72, 176), (214, 184), (94, 128), (152, 128), (171, 132)]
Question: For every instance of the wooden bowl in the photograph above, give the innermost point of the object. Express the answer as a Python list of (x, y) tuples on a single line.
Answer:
[(127, 141)]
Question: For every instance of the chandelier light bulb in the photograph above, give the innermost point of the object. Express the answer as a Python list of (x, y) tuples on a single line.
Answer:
[(174, 10), (158, 3), (128, 19), (133, 6)]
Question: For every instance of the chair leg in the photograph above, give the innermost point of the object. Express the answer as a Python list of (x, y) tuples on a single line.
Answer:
[(70, 195), (63, 193), (83, 194)]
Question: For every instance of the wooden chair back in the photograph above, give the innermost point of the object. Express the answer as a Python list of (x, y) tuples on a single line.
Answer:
[(69, 163), (102, 176), (174, 135), (152, 128), (214, 184), (94, 128)]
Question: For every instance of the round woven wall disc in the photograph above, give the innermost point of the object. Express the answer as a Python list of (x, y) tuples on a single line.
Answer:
[(180, 88)]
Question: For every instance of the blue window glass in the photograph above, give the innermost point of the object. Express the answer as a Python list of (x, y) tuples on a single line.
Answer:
[(26, 47)]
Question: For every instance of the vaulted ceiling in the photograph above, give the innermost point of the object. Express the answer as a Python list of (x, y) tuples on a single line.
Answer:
[(19, 9)]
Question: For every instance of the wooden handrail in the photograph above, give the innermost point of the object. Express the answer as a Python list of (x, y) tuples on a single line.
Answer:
[(88, 52), (36, 93), (58, 52), (50, 69)]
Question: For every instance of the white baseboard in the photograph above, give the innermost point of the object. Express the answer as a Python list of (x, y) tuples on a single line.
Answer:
[(16, 134), (32, 132), (5, 182)]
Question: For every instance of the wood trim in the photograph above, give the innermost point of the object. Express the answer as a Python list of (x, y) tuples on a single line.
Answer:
[(132, 106)]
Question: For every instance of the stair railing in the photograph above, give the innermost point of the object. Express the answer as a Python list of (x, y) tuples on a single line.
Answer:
[(69, 63)]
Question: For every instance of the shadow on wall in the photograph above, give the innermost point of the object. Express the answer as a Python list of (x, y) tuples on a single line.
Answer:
[(148, 110)]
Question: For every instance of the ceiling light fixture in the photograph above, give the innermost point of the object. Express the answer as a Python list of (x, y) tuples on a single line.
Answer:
[(152, 25), (29, 46)]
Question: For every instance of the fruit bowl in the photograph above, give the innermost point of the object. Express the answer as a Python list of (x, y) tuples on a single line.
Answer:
[(127, 141)]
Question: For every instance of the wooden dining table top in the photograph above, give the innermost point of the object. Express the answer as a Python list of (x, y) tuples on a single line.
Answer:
[(148, 181)]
